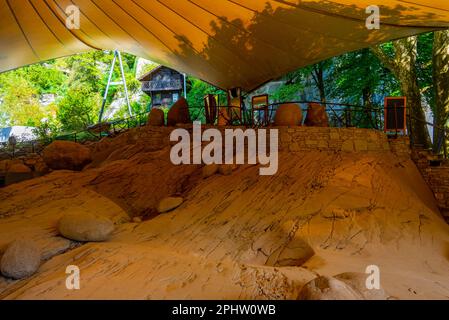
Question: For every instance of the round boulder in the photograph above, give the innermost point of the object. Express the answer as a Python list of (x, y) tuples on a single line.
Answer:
[(169, 203), (328, 288), (178, 113), (21, 259), (289, 114), (66, 155), (156, 117), (18, 172), (85, 227), (316, 116)]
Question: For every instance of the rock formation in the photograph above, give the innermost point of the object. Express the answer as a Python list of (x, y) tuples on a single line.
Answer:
[(316, 116), (289, 114), (85, 227), (178, 113), (66, 155), (156, 117), (21, 259)]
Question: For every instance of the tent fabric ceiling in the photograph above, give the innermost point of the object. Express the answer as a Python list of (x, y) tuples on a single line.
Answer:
[(228, 43)]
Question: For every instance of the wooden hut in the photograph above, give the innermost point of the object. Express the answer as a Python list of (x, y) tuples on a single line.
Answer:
[(163, 85)]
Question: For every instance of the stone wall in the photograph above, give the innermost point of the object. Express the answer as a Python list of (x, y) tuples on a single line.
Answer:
[(336, 140), (436, 173)]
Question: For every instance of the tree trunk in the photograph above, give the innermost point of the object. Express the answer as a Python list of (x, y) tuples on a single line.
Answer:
[(403, 66), (318, 77), (441, 85)]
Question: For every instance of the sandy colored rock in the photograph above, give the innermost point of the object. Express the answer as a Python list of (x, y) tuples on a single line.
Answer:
[(85, 227), (21, 259), (289, 114), (328, 288), (66, 155), (209, 170), (178, 113), (295, 253), (216, 244), (169, 203), (156, 117), (18, 172), (316, 116), (357, 281)]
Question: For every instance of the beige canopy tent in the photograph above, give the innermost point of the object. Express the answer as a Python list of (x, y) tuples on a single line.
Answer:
[(229, 43)]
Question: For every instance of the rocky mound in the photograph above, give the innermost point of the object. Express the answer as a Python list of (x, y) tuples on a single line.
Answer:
[(236, 236)]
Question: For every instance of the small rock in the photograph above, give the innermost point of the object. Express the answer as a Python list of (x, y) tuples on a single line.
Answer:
[(169, 203), (357, 281), (85, 227), (328, 288), (137, 219), (21, 259), (210, 170)]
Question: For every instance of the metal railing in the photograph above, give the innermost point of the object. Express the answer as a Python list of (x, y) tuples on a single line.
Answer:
[(89, 134)]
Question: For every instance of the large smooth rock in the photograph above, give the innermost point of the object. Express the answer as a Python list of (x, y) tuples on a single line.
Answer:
[(178, 113), (21, 259), (18, 172), (85, 227), (169, 203), (357, 281), (316, 116), (156, 117), (328, 288), (289, 114), (66, 155)]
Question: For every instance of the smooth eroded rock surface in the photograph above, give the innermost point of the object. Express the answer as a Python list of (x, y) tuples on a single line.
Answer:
[(169, 203), (328, 288), (85, 227), (357, 281), (21, 259)]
